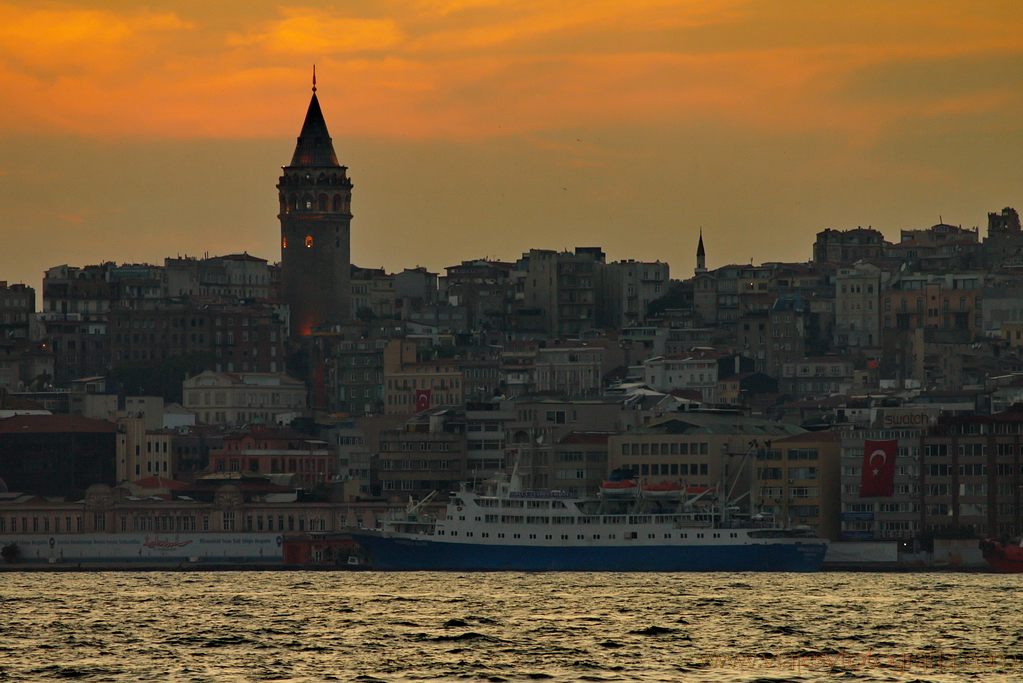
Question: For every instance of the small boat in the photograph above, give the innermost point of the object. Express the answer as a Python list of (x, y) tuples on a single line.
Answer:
[(619, 489), (1004, 555), (665, 490)]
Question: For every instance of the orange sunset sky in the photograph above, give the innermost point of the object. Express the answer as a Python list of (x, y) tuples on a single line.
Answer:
[(477, 128)]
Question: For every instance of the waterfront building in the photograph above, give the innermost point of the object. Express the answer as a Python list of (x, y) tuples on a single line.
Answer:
[(310, 461), (56, 455)]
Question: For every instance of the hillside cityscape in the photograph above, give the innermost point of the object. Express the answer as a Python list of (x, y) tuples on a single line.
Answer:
[(304, 395)]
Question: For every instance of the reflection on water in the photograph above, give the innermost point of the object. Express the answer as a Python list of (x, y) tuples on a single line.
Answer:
[(299, 626)]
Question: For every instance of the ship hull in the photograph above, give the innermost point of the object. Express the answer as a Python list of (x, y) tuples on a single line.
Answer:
[(1005, 558), (392, 553)]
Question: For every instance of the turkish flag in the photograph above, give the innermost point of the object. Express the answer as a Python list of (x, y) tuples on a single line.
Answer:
[(422, 400), (878, 478)]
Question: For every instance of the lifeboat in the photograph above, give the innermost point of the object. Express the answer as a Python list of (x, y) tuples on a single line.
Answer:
[(664, 490), (619, 489), (1004, 556)]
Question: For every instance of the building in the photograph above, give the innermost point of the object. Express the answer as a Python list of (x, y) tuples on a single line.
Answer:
[(235, 276), (580, 462), (56, 455), (564, 286), (235, 337), (427, 454), (405, 375), (315, 197), (696, 371), (17, 307), (1004, 236), (277, 451), (848, 246), (799, 483), (697, 448), (950, 301), (816, 377), (487, 291), (238, 398), (142, 452), (569, 370), (627, 289), (857, 306)]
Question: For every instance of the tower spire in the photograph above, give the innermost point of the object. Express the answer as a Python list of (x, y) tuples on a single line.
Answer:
[(701, 256), (314, 147)]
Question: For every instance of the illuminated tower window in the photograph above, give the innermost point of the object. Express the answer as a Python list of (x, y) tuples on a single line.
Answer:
[(284, 243), (309, 240)]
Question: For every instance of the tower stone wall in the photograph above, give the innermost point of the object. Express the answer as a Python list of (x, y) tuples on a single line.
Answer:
[(315, 197)]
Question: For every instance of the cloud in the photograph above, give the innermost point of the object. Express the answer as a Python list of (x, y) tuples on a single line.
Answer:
[(460, 69), (57, 40), (307, 31)]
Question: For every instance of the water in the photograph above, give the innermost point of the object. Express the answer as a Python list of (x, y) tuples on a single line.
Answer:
[(366, 627)]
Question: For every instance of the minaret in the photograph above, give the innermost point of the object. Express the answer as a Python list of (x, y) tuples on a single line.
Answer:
[(701, 257), (315, 195)]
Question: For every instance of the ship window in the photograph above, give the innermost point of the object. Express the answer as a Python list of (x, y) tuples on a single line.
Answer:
[(597, 536), (532, 535), (468, 533), (580, 537), (454, 533), (564, 537), (440, 533), (651, 535), (717, 535), (548, 537), (611, 536), (667, 535), (517, 536), (500, 535)]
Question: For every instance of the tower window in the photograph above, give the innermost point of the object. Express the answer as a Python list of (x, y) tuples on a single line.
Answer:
[(284, 243), (309, 240)]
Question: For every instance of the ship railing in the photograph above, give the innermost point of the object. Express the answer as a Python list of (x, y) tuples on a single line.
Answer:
[(693, 524)]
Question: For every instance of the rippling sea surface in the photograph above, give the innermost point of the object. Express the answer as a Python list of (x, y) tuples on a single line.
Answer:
[(367, 627)]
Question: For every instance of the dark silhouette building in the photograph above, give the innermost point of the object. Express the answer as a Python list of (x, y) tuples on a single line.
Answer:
[(57, 455), (315, 196)]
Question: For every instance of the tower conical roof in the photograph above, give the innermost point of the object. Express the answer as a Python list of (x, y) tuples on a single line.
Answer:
[(699, 247), (314, 147)]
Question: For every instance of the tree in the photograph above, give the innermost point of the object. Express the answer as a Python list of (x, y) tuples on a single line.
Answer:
[(10, 553), (678, 296)]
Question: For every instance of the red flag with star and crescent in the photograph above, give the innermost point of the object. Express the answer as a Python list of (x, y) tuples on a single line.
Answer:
[(878, 478), (422, 400)]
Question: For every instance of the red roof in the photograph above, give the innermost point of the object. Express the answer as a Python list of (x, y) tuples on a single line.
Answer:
[(54, 424), (161, 483), (269, 434)]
